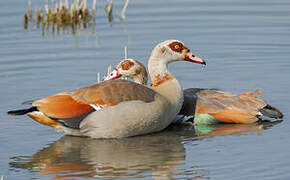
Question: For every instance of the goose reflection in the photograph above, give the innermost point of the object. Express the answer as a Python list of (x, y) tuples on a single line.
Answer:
[(128, 157), (159, 156)]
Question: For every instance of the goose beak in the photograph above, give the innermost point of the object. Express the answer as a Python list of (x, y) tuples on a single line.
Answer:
[(192, 58), (113, 75)]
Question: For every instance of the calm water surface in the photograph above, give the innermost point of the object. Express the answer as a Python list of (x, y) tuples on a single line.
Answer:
[(246, 45)]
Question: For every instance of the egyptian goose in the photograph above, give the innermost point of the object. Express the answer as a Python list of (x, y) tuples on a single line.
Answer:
[(209, 106), (118, 108), (129, 68)]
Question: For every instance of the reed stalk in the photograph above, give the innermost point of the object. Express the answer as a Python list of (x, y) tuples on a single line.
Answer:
[(62, 15)]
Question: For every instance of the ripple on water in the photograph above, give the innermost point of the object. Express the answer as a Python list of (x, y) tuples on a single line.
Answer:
[(245, 43)]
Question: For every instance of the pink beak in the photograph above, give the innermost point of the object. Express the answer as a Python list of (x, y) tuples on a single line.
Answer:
[(192, 58), (113, 75)]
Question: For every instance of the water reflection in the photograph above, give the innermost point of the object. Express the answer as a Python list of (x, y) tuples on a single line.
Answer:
[(234, 129), (160, 155), (85, 157)]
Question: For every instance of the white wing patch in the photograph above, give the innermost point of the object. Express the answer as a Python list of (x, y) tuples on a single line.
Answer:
[(96, 107)]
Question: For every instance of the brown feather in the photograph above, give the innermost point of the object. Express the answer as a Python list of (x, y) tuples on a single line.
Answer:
[(233, 115), (110, 93), (61, 106), (224, 106), (158, 80), (41, 118)]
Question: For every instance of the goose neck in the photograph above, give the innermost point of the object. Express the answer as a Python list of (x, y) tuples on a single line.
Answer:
[(158, 71), (141, 78)]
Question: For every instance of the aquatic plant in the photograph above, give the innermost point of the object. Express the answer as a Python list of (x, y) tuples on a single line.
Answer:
[(61, 15), (66, 16)]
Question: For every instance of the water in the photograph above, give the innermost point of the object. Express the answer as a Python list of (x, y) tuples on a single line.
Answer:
[(246, 45)]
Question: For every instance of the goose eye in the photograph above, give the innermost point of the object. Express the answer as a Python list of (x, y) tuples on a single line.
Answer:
[(125, 66), (176, 46)]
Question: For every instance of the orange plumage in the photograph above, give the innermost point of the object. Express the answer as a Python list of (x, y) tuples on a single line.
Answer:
[(225, 106), (61, 105)]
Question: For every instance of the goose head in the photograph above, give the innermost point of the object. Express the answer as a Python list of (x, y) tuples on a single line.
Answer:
[(130, 68), (174, 50)]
